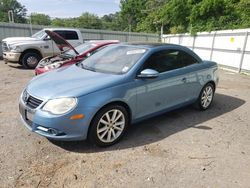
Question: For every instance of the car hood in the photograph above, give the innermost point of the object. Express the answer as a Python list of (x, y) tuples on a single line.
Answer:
[(60, 42), (12, 40), (71, 81)]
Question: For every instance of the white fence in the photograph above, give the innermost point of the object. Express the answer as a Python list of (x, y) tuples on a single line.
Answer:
[(229, 48)]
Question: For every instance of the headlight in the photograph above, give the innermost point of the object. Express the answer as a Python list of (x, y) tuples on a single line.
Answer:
[(14, 48), (60, 106), (54, 65)]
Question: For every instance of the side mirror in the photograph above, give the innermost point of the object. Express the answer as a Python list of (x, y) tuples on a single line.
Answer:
[(47, 38), (148, 73)]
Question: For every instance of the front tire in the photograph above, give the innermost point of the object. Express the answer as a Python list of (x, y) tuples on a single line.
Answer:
[(206, 96), (108, 126), (30, 60)]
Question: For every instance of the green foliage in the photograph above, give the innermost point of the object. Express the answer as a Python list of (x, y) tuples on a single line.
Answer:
[(180, 16), (40, 19), (243, 10), (18, 10), (112, 22), (133, 12), (174, 16)]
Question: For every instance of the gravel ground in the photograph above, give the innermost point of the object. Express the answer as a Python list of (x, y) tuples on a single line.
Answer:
[(184, 148)]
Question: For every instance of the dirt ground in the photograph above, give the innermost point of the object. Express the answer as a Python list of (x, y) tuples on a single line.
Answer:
[(184, 148)]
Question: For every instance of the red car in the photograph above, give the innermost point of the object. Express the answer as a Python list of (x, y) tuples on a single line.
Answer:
[(70, 56)]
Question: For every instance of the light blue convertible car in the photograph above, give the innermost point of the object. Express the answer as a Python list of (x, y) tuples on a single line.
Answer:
[(98, 98)]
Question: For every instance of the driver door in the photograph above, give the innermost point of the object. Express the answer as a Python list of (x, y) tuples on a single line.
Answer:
[(165, 91)]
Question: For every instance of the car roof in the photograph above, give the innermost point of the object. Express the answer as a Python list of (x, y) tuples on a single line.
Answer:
[(58, 28), (152, 44), (103, 42)]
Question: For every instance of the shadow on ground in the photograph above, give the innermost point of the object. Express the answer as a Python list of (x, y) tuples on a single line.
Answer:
[(17, 66), (160, 127)]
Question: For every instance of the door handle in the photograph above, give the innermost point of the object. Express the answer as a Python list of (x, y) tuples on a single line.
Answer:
[(184, 80)]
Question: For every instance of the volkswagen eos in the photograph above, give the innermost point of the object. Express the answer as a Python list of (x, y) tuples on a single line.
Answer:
[(98, 98)]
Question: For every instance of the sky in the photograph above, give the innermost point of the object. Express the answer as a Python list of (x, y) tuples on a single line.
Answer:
[(70, 8)]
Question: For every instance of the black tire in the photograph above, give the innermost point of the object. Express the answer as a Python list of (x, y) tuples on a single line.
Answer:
[(200, 102), (96, 125), (20, 62), (30, 60)]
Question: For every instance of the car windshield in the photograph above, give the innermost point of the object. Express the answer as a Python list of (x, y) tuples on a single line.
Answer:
[(39, 34), (114, 59), (80, 49)]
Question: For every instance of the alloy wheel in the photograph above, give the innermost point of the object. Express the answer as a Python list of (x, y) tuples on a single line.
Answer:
[(32, 60), (207, 96), (111, 125)]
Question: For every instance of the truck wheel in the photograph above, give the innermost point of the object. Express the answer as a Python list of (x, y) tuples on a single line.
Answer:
[(30, 60)]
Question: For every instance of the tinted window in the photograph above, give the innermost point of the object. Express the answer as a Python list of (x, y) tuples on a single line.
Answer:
[(167, 60), (71, 35), (68, 35)]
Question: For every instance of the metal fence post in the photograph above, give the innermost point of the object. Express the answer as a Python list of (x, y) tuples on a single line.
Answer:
[(243, 52), (193, 45), (212, 48)]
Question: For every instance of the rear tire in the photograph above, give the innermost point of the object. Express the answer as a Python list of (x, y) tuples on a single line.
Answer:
[(108, 126), (206, 97), (30, 60)]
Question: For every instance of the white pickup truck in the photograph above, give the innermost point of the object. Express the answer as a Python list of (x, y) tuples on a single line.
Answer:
[(28, 51)]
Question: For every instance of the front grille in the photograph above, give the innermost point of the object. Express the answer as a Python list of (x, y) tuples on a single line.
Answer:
[(5, 47), (31, 101)]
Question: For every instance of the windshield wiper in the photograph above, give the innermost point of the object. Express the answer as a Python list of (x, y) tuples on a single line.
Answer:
[(87, 68)]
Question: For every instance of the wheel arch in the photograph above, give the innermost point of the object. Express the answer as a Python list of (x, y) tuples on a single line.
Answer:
[(211, 82), (118, 102), (30, 50)]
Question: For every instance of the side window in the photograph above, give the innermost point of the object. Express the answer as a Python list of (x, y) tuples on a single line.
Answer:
[(68, 35), (162, 61), (185, 59), (167, 60), (71, 35), (61, 33)]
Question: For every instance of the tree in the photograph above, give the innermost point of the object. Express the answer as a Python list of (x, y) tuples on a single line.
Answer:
[(18, 10), (243, 10), (153, 16), (88, 21), (112, 22), (133, 12), (208, 15), (40, 19)]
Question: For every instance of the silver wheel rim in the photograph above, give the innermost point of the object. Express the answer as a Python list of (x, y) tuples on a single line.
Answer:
[(32, 60), (207, 96), (111, 126)]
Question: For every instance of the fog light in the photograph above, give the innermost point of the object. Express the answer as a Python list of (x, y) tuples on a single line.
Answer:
[(53, 131)]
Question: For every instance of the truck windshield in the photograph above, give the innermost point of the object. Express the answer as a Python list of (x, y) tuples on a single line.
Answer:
[(39, 34), (114, 59)]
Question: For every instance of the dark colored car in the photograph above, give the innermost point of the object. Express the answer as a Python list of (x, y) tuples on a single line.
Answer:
[(70, 56)]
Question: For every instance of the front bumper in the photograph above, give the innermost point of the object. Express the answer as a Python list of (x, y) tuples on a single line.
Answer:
[(41, 70), (11, 56), (56, 127)]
